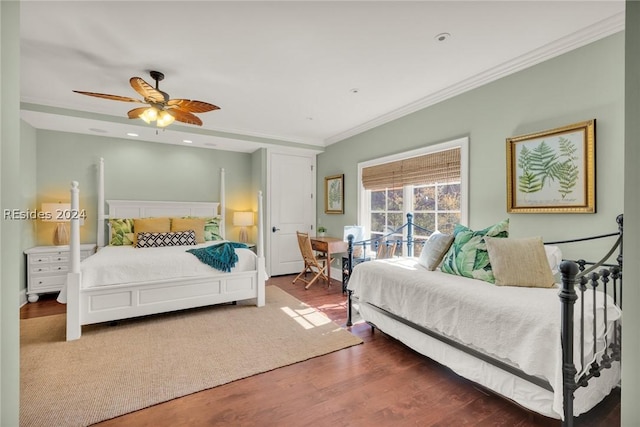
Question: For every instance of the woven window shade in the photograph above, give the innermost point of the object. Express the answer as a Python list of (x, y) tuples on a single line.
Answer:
[(443, 166)]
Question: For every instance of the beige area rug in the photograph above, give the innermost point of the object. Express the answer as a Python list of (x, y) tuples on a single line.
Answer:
[(113, 370)]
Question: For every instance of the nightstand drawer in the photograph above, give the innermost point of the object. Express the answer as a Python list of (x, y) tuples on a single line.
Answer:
[(42, 283), (50, 269)]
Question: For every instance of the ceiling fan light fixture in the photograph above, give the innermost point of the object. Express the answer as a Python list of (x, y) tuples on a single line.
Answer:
[(161, 108), (164, 119), (149, 115)]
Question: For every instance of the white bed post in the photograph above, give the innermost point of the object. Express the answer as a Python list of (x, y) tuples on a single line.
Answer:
[(222, 225), (262, 270), (73, 277), (100, 230)]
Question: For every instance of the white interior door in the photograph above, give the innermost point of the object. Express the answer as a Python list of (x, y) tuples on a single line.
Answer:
[(291, 209)]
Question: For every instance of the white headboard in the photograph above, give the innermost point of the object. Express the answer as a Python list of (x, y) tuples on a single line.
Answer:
[(145, 209)]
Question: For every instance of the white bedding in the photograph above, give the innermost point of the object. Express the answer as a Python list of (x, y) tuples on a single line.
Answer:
[(520, 326), (126, 264)]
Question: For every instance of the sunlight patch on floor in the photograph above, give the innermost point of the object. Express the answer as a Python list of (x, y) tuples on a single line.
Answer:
[(308, 318)]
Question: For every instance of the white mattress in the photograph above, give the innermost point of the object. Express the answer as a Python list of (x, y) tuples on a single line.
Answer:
[(125, 264), (520, 326)]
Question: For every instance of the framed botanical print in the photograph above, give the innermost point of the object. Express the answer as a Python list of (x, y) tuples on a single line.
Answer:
[(552, 171), (334, 194)]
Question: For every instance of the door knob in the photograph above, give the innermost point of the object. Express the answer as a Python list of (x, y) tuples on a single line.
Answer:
[(274, 229)]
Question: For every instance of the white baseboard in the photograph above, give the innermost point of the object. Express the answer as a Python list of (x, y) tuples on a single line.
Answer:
[(23, 297)]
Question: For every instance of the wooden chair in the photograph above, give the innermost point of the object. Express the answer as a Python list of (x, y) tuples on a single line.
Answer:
[(313, 263), (386, 250)]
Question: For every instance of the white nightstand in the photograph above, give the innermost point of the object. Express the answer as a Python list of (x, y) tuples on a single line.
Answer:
[(47, 268)]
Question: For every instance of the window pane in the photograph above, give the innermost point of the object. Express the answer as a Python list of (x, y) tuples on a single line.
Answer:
[(395, 220), (377, 200), (447, 222), (449, 197), (378, 222), (425, 220), (424, 198), (395, 200)]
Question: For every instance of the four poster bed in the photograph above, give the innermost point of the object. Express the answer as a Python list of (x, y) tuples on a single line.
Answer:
[(155, 271), (558, 358)]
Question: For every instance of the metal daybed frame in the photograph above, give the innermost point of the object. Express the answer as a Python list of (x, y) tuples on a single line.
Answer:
[(579, 274)]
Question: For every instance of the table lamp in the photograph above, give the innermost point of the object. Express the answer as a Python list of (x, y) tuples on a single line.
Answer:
[(59, 213), (243, 220)]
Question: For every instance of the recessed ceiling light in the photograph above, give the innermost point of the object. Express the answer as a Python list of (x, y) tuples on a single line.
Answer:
[(187, 141), (354, 90), (442, 37), (131, 134)]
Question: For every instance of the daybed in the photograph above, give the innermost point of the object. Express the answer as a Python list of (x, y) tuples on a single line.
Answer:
[(527, 343), (123, 281)]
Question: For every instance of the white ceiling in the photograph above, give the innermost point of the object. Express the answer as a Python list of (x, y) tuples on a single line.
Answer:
[(289, 73)]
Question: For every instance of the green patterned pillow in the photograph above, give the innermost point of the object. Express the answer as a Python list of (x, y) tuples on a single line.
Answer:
[(468, 254), (121, 231)]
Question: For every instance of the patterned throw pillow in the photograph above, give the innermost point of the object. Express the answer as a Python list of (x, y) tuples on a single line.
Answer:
[(468, 254), (121, 231), (155, 240), (212, 229)]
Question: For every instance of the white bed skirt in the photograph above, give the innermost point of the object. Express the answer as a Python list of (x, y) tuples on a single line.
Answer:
[(510, 386)]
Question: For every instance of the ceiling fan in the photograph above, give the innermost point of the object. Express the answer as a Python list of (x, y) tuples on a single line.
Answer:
[(161, 109)]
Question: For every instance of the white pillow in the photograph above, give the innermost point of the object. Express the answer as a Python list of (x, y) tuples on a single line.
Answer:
[(434, 250), (554, 256)]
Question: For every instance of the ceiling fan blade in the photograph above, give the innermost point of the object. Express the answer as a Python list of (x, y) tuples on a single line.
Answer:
[(184, 116), (192, 106), (135, 113), (149, 93), (112, 97)]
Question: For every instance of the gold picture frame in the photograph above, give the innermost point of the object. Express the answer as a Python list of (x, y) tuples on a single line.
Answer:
[(552, 171), (334, 194)]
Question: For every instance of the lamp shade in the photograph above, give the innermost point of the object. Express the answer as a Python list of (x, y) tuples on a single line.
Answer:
[(243, 219)]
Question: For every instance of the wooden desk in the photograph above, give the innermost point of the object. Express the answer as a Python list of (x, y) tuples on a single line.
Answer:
[(329, 245)]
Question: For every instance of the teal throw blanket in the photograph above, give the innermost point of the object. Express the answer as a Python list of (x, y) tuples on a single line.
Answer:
[(222, 257)]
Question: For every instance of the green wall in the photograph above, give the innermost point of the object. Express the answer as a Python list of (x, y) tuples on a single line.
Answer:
[(631, 346), (583, 84), (10, 230), (137, 170)]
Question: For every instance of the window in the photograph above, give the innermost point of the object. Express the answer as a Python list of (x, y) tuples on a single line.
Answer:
[(430, 183)]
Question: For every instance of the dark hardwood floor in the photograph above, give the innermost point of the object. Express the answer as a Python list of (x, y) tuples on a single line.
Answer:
[(381, 382)]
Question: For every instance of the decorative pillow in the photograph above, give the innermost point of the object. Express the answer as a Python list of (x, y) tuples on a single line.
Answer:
[(434, 250), (150, 225), (212, 229), (186, 224), (468, 255), (156, 240), (519, 262), (121, 231)]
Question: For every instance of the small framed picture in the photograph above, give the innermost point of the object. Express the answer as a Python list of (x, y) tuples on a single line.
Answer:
[(334, 194), (552, 171)]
